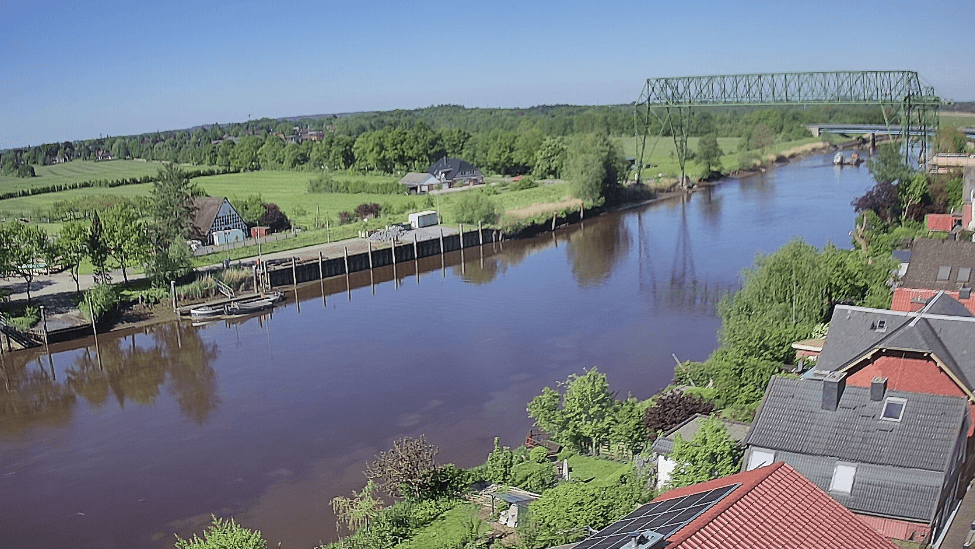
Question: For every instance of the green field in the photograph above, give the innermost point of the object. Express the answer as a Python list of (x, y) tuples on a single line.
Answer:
[(957, 119), (79, 171)]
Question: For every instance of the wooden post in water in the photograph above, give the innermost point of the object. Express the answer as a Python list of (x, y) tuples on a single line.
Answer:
[(461, 226), (416, 249), (321, 266), (294, 270), (44, 325), (582, 212), (480, 234), (554, 217), (393, 242), (370, 254), (94, 332), (172, 290), (254, 272), (346, 260), (442, 251)]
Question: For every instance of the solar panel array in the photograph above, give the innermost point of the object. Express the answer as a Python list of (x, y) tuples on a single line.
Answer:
[(663, 517)]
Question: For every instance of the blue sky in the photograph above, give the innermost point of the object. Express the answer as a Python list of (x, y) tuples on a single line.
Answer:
[(77, 70)]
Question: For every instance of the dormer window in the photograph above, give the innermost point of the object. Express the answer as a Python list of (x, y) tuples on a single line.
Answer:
[(893, 409)]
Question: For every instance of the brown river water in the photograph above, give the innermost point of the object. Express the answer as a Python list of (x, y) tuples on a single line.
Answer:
[(267, 418)]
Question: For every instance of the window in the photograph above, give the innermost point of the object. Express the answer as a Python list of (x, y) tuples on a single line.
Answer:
[(881, 326), (944, 272), (842, 478), (760, 458), (964, 273), (893, 409)]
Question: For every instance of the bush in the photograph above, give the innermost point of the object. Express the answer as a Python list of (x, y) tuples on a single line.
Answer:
[(346, 217), (103, 297), (325, 183), (224, 534), (526, 182), (474, 207), (363, 211), (538, 454), (533, 476)]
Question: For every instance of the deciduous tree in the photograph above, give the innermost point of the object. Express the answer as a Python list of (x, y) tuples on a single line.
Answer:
[(127, 236), (25, 246), (583, 416), (709, 154), (672, 408), (400, 471), (71, 247), (709, 454)]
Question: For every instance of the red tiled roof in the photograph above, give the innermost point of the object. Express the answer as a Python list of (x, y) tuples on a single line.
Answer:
[(940, 222), (775, 507), (910, 300)]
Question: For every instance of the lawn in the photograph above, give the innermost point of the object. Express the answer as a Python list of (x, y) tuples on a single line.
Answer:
[(603, 472), (78, 171), (448, 530)]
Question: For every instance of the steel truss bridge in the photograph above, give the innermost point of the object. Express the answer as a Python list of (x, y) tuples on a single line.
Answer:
[(903, 98)]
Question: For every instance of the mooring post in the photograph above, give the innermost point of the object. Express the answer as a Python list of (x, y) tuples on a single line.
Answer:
[(370, 254), (554, 217), (346, 260), (94, 330), (254, 272), (480, 235), (461, 226), (44, 323), (328, 234), (442, 251), (416, 249), (393, 241), (321, 266), (294, 269), (582, 212), (172, 290)]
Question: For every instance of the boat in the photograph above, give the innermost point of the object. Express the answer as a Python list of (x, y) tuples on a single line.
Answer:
[(206, 311), (840, 160), (248, 307)]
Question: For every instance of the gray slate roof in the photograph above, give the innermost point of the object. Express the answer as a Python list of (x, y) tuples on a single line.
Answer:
[(901, 466), (664, 444), (414, 180), (944, 328), (454, 168), (927, 258)]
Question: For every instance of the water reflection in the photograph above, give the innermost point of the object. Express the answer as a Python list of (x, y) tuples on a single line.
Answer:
[(595, 250), (125, 371)]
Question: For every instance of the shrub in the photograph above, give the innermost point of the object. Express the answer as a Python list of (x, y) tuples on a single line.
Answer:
[(224, 534), (345, 218), (25, 319), (363, 211), (474, 207), (533, 476), (670, 409), (526, 182), (103, 298), (538, 454)]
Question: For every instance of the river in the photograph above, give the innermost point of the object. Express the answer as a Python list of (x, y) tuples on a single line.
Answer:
[(268, 418)]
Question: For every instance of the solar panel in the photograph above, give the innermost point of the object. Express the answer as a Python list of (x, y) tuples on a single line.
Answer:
[(663, 517)]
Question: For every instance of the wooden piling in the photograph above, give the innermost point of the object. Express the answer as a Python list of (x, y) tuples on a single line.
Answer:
[(321, 266), (328, 235), (346, 260), (480, 235), (582, 212), (370, 254), (554, 217), (416, 250), (461, 226), (172, 290), (393, 242), (294, 269), (442, 250), (44, 323)]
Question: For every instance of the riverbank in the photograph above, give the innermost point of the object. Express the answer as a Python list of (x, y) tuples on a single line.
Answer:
[(139, 316)]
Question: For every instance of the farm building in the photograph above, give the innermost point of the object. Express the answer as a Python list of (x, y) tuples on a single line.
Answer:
[(422, 182), (215, 221), (456, 172)]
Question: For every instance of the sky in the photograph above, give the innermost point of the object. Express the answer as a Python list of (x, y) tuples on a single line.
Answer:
[(81, 69)]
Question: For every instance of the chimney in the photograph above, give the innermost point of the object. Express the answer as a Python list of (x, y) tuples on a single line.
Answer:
[(833, 385), (965, 293), (878, 387)]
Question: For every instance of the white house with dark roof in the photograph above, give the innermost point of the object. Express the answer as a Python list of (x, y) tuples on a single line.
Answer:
[(895, 458), (663, 445), (215, 221)]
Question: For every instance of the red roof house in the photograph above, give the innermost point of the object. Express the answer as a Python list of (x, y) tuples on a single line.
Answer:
[(766, 508), (941, 222)]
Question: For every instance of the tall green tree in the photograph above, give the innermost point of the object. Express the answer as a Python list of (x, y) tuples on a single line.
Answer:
[(595, 167), (709, 154), (127, 236), (25, 247), (583, 417), (708, 455), (98, 249), (171, 208), (71, 245)]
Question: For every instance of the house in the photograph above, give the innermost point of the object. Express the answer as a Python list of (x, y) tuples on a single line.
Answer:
[(422, 182), (664, 445), (215, 221), (455, 172), (924, 352), (772, 507), (936, 265), (894, 458), (968, 196)]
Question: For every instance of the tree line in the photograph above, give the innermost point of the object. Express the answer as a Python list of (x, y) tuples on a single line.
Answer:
[(504, 141)]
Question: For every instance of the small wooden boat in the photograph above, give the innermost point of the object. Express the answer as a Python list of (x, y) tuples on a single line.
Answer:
[(206, 311), (248, 307)]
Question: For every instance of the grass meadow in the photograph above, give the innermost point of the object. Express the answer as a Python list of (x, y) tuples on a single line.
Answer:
[(79, 171)]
